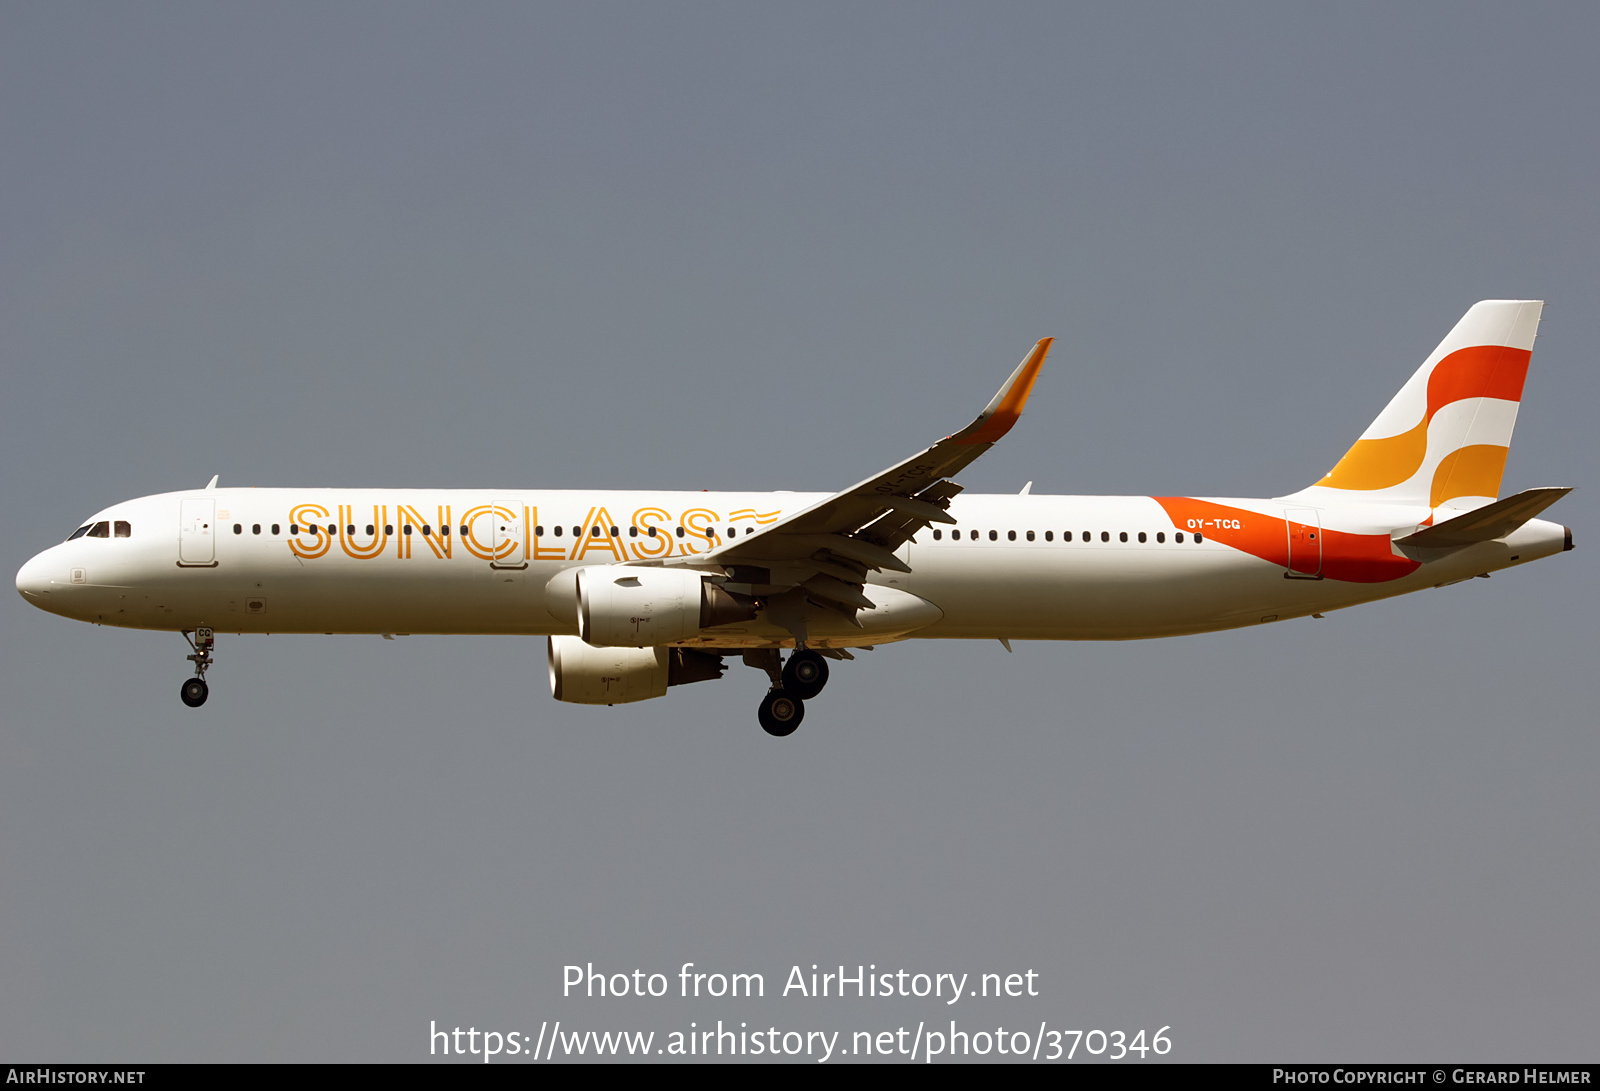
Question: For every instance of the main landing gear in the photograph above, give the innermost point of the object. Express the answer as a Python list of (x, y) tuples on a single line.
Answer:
[(195, 691), (780, 713), (805, 674), (799, 680)]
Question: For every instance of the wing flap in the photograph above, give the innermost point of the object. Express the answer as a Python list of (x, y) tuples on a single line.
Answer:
[(900, 525), (837, 590)]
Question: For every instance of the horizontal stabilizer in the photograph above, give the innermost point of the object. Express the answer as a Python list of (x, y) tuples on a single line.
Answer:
[(1485, 524)]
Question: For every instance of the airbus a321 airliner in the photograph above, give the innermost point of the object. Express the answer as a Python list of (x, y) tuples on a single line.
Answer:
[(641, 591)]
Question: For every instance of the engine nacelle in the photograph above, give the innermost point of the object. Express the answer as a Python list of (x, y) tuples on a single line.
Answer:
[(586, 675), (635, 607)]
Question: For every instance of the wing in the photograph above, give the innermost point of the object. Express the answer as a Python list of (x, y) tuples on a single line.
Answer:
[(823, 553)]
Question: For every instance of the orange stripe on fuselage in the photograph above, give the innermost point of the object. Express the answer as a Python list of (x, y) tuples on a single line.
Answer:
[(1350, 558)]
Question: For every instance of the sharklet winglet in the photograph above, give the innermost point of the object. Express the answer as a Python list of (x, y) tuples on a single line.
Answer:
[(1006, 406)]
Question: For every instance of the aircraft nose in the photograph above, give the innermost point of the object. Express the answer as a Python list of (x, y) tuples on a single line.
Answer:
[(33, 579)]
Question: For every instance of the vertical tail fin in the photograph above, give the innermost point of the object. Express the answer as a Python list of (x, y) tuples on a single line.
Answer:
[(1443, 440)]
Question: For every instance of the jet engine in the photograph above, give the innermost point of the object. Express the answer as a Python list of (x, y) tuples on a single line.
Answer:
[(625, 606), (586, 675)]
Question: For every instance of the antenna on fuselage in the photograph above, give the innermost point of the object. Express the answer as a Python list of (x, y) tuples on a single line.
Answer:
[(211, 486)]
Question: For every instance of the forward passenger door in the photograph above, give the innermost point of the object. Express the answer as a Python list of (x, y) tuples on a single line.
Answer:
[(197, 539)]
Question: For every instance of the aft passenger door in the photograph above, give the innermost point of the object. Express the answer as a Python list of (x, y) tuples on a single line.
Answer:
[(197, 540), (1304, 527)]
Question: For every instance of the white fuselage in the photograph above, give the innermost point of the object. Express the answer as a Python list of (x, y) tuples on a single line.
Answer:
[(1041, 567)]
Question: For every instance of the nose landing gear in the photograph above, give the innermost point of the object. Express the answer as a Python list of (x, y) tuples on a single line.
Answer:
[(195, 691)]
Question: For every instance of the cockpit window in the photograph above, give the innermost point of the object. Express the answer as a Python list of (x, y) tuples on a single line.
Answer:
[(102, 529), (80, 532), (123, 528)]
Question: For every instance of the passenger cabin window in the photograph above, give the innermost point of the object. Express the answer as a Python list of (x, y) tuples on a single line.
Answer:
[(1141, 536), (255, 528), (1197, 538), (1161, 536), (558, 532), (1123, 537), (1105, 536), (650, 531), (938, 534), (1178, 537), (1030, 535), (275, 528), (122, 528), (1049, 535), (1011, 535), (238, 528), (994, 536)]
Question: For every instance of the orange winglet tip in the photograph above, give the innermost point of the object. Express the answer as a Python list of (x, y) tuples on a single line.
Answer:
[(1002, 412)]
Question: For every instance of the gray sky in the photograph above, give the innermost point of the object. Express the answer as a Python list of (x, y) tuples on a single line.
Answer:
[(731, 246)]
